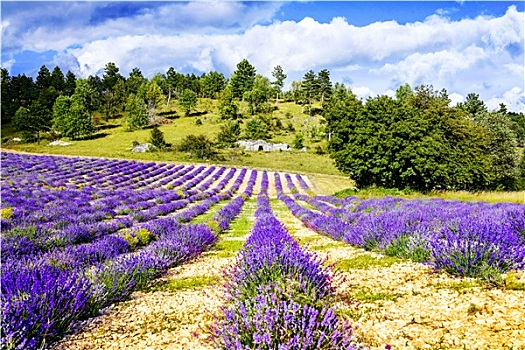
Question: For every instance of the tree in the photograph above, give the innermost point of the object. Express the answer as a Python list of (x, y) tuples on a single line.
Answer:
[(242, 79), (152, 95), (404, 92), (137, 112), (501, 148), (521, 184), (278, 83), (57, 80), (187, 101), (72, 115), (61, 112), (8, 97), (419, 143), (325, 85), (43, 79), (70, 84), (135, 80), (258, 96), (31, 121), (229, 133), (297, 91), (157, 139), (257, 129), (227, 107), (212, 84), (198, 146), (114, 90), (298, 141), (310, 86), (473, 105)]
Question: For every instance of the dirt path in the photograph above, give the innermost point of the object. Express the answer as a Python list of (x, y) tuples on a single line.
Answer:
[(176, 309), (406, 305)]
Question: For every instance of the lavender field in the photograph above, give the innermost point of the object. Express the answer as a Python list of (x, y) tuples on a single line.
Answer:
[(81, 235)]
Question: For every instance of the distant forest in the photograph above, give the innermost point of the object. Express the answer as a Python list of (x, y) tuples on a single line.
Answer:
[(415, 139)]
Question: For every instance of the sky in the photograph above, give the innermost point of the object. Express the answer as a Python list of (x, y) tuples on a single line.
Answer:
[(372, 47)]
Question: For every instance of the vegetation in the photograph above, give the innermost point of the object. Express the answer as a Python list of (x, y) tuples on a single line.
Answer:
[(415, 140)]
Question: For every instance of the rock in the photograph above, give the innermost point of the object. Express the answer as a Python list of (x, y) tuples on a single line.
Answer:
[(142, 147), (59, 143)]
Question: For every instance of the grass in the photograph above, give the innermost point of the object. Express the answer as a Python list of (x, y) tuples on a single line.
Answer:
[(461, 286), (367, 296), (113, 141), (486, 196), (193, 282), (366, 262), (227, 248), (242, 224), (209, 214)]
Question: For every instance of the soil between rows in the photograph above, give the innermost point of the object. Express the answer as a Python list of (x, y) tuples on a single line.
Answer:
[(402, 304)]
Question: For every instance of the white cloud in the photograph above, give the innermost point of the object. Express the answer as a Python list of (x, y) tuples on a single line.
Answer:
[(362, 92), (8, 64), (482, 55), (514, 99), (436, 67), (455, 98)]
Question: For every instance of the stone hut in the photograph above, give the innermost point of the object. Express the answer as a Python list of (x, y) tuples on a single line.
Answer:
[(260, 145)]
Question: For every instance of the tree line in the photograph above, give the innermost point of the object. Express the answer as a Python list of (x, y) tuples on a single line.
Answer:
[(415, 139)]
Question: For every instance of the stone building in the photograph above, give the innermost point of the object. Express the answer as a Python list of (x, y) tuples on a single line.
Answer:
[(261, 145)]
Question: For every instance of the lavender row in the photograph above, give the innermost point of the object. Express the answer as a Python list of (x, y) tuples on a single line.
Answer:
[(79, 230), (41, 301), (464, 239), (277, 295)]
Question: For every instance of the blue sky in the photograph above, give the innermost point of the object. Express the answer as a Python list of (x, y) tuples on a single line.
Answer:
[(373, 47)]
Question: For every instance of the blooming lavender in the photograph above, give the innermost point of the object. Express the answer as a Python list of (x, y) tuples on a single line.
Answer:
[(278, 296)]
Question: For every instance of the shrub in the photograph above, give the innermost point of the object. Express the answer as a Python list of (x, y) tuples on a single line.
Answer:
[(198, 146), (157, 139)]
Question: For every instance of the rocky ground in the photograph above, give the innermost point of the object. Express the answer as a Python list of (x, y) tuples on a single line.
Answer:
[(389, 302)]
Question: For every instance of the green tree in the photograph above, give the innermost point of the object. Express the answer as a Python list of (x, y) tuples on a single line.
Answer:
[(137, 112), (198, 146), (521, 183), (229, 133), (278, 83), (43, 79), (72, 115), (256, 129), (298, 141), (404, 92), (134, 82), (258, 96), (325, 85), (419, 143), (297, 91), (61, 111), (157, 139), (187, 101), (5, 95), (501, 147), (212, 84), (70, 84), (114, 90), (227, 107), (473, 105), (58, 81), (242, 79), (151, 93), (31, 121), (310, 87)]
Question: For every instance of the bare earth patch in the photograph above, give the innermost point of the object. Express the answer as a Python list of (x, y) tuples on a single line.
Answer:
[(409, 306)]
